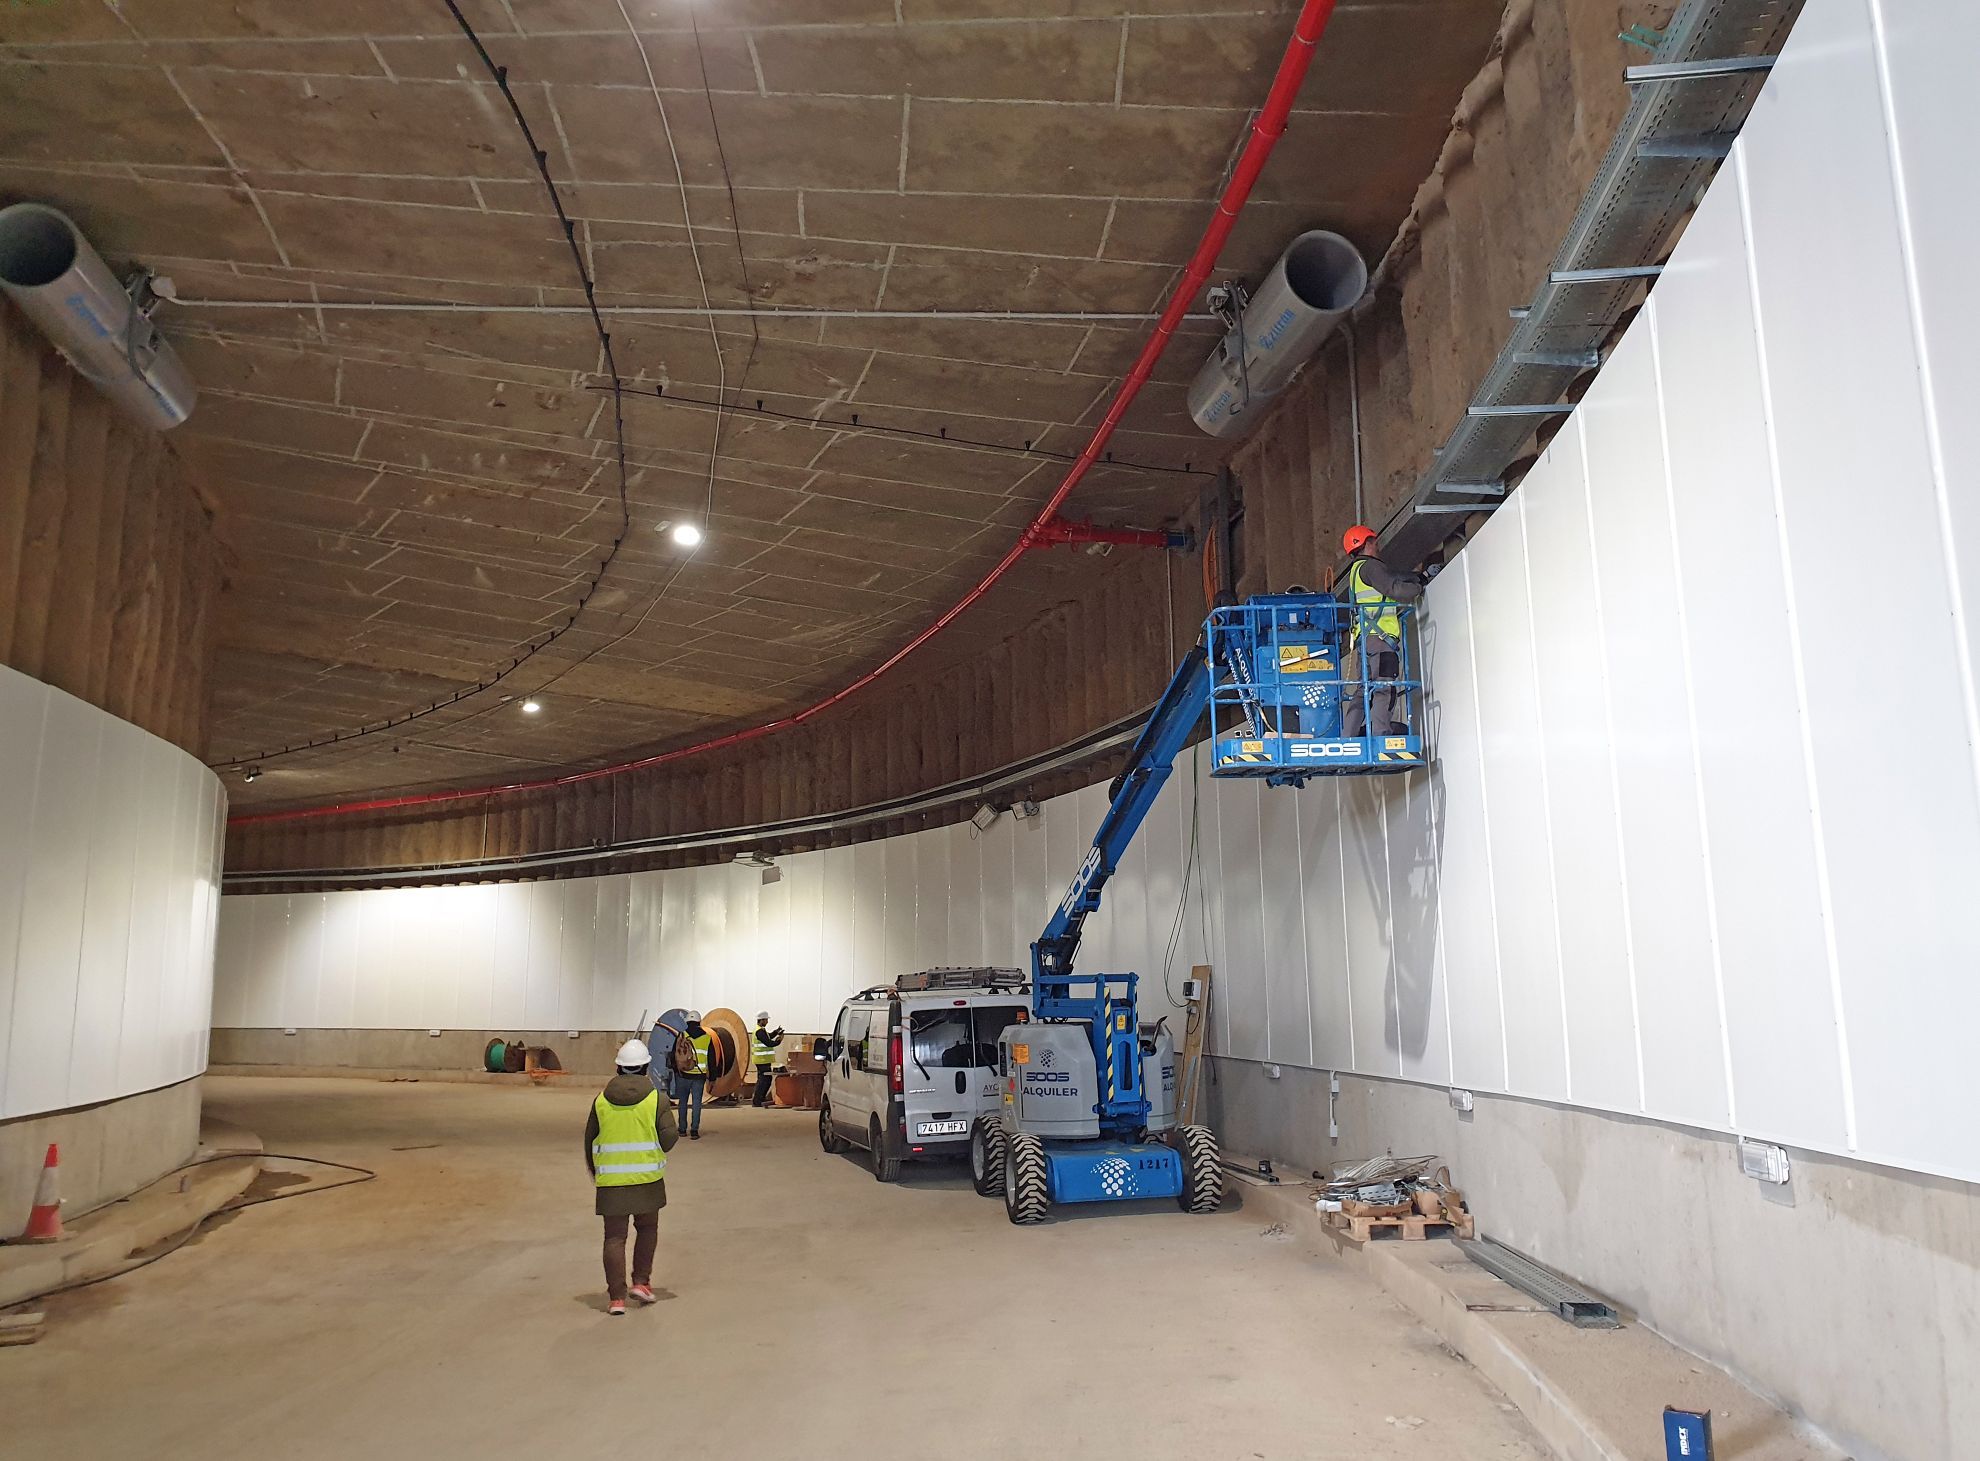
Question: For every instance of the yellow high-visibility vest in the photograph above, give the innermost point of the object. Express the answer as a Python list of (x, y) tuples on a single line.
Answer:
[(627, 1151), (763, 1049), (700, 1045), (1373, 609)]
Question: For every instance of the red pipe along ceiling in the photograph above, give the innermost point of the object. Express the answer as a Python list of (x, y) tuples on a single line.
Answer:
[(1265, 133)]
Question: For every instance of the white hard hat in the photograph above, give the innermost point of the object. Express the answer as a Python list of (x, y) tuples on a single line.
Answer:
[(634, 1052), (762, 1016), (694, 1017)]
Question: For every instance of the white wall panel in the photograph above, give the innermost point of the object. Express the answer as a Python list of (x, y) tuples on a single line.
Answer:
[(963, 846), (51, 919), (1780, 1016), (104, 967), (1323, 896), (1822, 207), (233, 959), (1033, 891), (107, 919), (1288, 1012), (1588, 903), (23, 708), (1000, 945), (1457, 791), (1371, 969), (1514, 755), (1423, 1037), (1684, 1069), (1240, 887)]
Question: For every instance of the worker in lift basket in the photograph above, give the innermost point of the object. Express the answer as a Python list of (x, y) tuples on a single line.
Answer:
[(626, 1141), (693, 1063), (1374, 591), (763, 1043)]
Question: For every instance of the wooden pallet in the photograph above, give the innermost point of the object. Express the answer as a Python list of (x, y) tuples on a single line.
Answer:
[(1415, 1227)]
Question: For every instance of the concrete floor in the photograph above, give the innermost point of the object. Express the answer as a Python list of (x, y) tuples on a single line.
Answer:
[(455, 1307)]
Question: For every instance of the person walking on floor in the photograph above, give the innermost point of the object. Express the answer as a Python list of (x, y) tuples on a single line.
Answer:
[(626, 1141), (1374, 593), (693, 1061), (763, 1043)]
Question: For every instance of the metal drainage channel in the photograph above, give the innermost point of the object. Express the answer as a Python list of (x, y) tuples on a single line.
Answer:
[(1579, 1308), (1687, 107)]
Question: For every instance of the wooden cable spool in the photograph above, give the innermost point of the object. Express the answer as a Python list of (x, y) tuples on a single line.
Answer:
[(727, 1053)]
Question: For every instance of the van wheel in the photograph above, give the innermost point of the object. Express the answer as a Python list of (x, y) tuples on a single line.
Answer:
[(828, 1134), (1027, 1193), (987, 1144), (1203, 1170), (885, 1168)]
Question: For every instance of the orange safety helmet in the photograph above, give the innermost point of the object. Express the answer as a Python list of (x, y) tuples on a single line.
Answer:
[(1356, 538)]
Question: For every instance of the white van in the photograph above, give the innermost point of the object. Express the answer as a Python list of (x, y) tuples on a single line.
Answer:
[(910, 1066)]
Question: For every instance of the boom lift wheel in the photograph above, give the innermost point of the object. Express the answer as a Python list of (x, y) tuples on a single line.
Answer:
[(988, 1143), (1027, 1194), (828, 1134), (885, 1168), (1203, 1170)]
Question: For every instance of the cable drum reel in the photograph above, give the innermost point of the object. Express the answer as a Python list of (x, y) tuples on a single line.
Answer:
[(727, 1051), (1276, 330)]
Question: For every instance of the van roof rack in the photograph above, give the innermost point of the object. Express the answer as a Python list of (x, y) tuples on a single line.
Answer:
[(960, 978)]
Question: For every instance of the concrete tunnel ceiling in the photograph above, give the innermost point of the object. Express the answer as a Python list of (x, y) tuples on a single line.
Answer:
[(408, 499)]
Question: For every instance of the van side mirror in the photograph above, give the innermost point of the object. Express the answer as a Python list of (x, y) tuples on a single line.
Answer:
[(820, 1045)]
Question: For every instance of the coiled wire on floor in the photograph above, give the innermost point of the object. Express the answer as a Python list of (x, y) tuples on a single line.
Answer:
[(365, 1174)]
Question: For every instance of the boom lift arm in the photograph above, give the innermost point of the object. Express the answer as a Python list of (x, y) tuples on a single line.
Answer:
[(1085, 1087)]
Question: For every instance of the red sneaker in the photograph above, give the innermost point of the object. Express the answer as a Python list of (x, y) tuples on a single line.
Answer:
[(644, 1293), (617, 1308)]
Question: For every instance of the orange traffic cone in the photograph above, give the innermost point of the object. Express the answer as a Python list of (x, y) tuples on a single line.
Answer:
[(45, 1218)]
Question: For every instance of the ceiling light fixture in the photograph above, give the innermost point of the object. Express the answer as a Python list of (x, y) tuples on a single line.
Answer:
[(984, 817), (687, 535), (530, 707), (251, 773)]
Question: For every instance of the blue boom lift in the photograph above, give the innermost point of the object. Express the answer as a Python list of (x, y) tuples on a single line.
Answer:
[(1089, 1093)]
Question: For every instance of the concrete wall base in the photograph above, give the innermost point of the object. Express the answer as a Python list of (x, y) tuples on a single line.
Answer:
[(244, 1051), (107, 1150), (1851, 1296)]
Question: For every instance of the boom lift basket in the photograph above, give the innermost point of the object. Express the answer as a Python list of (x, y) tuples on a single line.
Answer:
[(1284, 669)]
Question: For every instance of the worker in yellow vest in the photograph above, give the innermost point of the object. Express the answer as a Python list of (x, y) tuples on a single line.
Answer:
[(1374, 591), (694, 1063), (626, 1141), (763, 1043)]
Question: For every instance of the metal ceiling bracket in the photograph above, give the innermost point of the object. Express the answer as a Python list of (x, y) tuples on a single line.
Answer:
[(1605, 276), (1476, 489), (1565, 359), (1697, 84), (1694, 70), (1560, 409), (1714, 146)]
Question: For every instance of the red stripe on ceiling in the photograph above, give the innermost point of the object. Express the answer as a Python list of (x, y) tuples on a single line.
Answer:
[(1265, 133)]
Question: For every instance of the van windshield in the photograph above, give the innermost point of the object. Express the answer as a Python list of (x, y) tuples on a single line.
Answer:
[(958, 1039)]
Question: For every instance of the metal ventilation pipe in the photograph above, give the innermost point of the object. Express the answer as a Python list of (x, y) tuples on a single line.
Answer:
[(1319, 278), (101, 326)]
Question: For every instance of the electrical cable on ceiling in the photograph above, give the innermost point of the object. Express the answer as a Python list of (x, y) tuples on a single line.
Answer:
[(541, 642), (940, 437), (618, 387), (1266, 129)]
